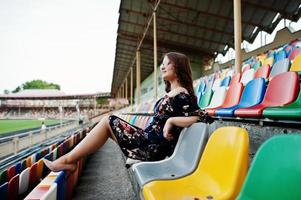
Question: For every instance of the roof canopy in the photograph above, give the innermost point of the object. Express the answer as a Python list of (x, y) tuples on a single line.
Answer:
[(49, 94), (198, 28)]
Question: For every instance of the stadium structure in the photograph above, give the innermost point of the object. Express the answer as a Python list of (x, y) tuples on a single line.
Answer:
[(251, 151)]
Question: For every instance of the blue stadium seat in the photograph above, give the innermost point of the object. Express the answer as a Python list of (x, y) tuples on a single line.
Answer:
[(61, 185), (226, 81), (280, 55), (4, 191), (251, 95), (279, 67)]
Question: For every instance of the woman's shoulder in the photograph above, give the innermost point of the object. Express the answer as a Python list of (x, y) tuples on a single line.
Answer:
[(178, 91)]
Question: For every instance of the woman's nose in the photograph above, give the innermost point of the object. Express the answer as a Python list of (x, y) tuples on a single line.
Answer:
[(161, 67)]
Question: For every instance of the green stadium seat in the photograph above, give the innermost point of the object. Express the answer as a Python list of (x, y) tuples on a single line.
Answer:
[(205, 99), (290, 111), (276, 170), (3, 177)]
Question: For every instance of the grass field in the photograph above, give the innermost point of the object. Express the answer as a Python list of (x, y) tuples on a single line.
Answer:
[(7, 126)]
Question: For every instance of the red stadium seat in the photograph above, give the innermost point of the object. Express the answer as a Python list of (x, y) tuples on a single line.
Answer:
[(13, 188), (263, 72), (235, 78), (232, 98), (283, 89)]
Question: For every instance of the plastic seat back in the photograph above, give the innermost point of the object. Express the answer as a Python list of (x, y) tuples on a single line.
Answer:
[(268, 61), (282, 89), (279, 67), (235, 78), (253, 93), (3, 177), (24, 181), (262, 72), (280, 55), (51, 194), (294, 53), (4, 191), (13, 188), (233, 95), (11, 172), (296, 65), (245, 68), (216, 84), (276, 170), (204, 101), (226, 151), (226, 81), (219, 174), (183, 161), (247, 76), (218, 97), (256, 65), (201, 87), (61, 185)]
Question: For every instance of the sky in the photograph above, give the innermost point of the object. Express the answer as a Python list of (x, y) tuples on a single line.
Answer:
[(66, 42)]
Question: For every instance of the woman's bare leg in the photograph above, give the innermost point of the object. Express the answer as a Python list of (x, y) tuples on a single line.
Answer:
[(91, 143)]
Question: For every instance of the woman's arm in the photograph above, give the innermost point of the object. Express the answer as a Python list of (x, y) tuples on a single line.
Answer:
[(177, 121)]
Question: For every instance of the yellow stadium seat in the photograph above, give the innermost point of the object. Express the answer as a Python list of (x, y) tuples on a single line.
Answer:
[(268, 61), (40, 168), (219, 175), (296, 65)]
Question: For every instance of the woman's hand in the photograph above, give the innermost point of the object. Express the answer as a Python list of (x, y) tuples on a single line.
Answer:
[(167, 129)]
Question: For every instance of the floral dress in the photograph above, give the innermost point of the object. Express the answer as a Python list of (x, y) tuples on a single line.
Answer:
[(149, 144)]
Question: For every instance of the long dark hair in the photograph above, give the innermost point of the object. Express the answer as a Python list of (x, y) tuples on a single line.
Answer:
[(183, 71)]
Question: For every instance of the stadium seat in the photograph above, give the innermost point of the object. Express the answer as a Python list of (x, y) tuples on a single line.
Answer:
[(201, 87), (256, 65), (183, 161), (28, 161), (219, 175), (3, 177), (19, 168), (218, 97), (245, 68), (209, 83), (4, 191), (226, 81), (280, 55), (291, 111), (33, 177), (205, 99), (24, 164), (61, 185), (275, 171), (282, 89), (279, 67), (235, 78), (296, 65), (51, 194), (252, 95), (40, 167), (13, 187), (216, 84), (24, 181), (262, 72), (232, 98), (247, 76), (11, 171), (294, 53), (268, 61)]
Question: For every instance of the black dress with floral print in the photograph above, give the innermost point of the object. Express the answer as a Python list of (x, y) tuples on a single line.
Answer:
[(149, 144)]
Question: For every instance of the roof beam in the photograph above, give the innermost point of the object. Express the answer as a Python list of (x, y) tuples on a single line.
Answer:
[(178, 34), (182, 47), (226, 18)]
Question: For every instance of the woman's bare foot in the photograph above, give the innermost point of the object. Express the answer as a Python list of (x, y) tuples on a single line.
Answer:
[(59, 165)]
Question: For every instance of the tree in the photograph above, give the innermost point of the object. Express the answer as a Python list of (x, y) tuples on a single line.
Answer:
[(37, 84), (6, 91)]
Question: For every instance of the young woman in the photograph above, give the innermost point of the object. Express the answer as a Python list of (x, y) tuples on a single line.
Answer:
[(177, 109)]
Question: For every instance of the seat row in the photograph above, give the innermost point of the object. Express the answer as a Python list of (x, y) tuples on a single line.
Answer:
[(19, 179), (218, 168)]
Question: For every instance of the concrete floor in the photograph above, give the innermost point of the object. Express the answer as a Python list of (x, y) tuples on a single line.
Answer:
[(105, 177)]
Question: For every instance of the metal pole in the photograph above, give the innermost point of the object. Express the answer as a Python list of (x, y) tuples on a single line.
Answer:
[(138, 76), (237, 34), (126, 88), (155, 56), (132, 86)]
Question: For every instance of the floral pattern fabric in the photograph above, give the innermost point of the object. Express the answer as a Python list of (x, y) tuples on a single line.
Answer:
[(149, 144)]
